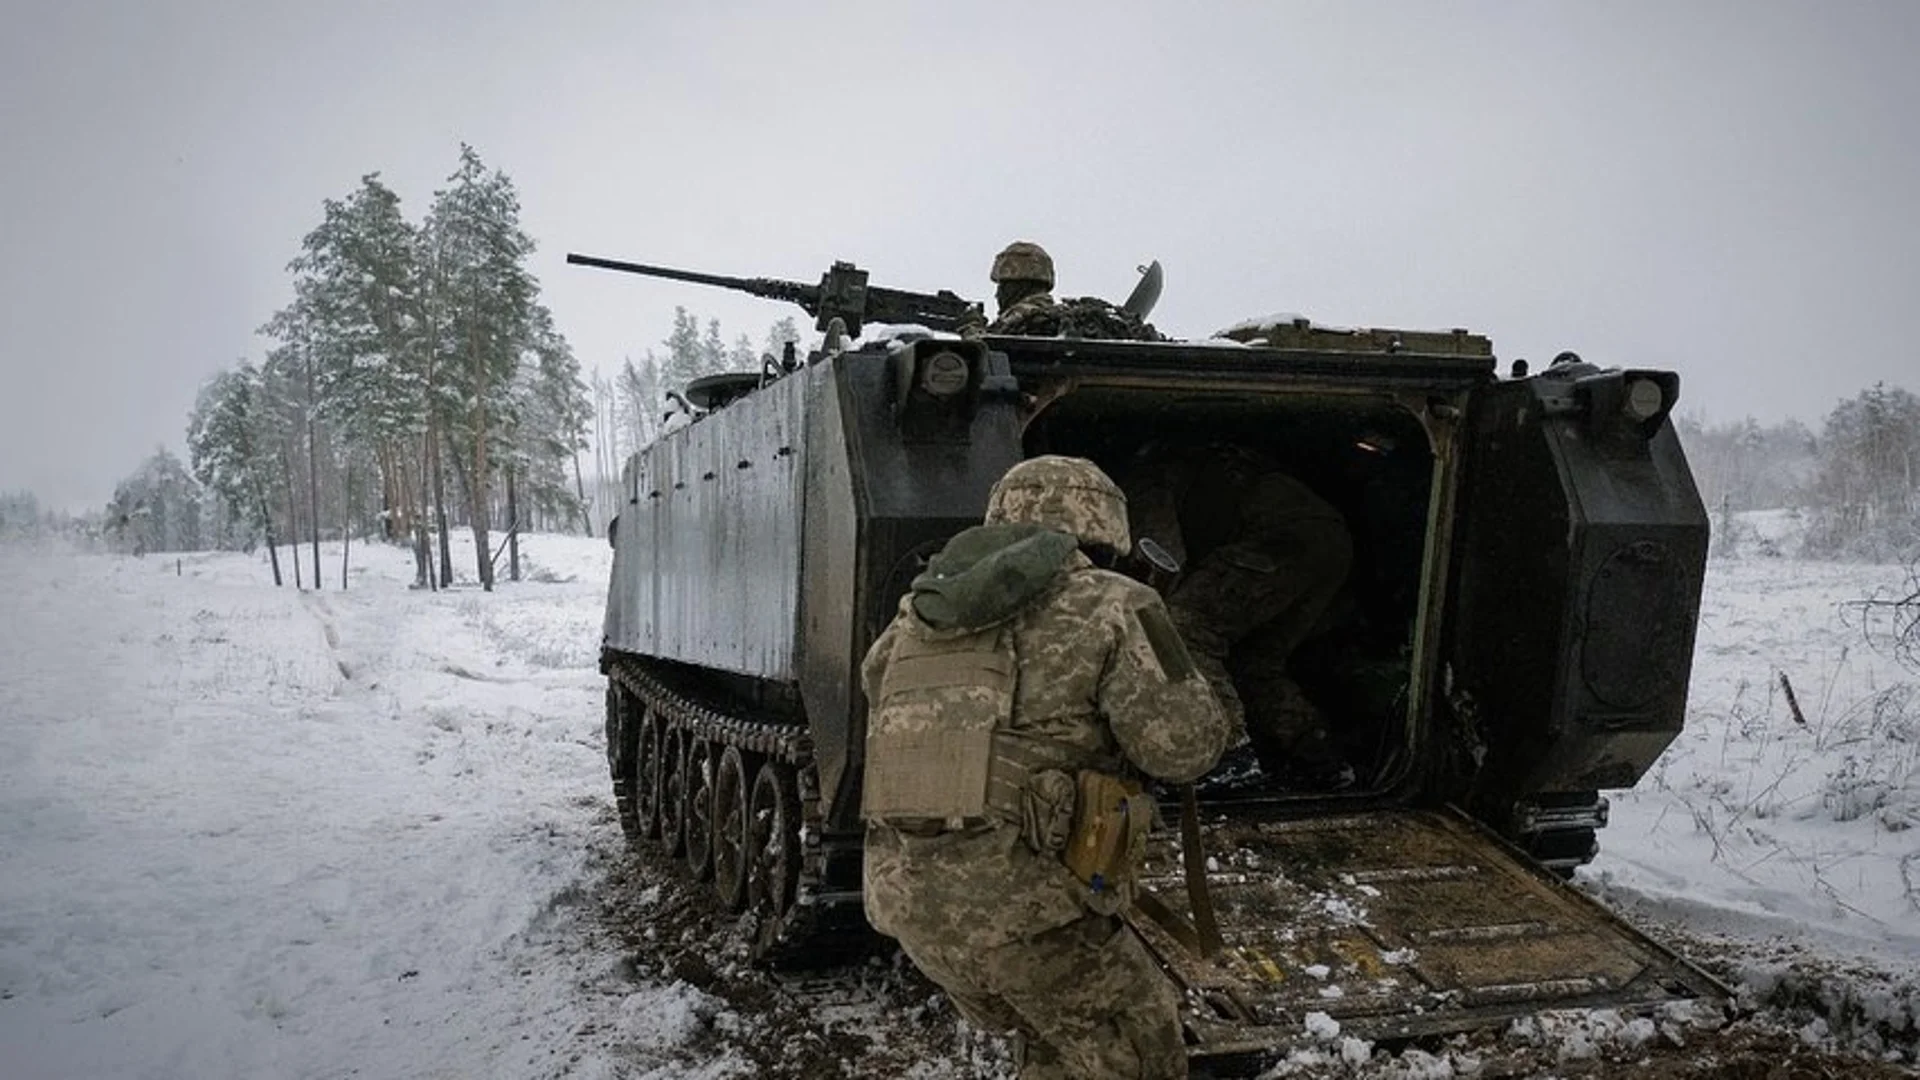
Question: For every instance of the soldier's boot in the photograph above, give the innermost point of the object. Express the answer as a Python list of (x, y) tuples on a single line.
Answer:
[(1289, 734)]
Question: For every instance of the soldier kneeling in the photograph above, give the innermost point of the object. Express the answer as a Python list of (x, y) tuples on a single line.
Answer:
[(1016, 675)]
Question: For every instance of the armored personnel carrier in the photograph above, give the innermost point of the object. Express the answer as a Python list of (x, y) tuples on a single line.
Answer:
[(1514, 640)]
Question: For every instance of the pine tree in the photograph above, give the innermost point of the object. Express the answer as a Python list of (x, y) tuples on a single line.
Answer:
[(19, 515), (544, 428), (225, 445), (277, 413), (356, 315), (641, 403), (157, 508), (361, 264), (778, 335), (741, 357), (485, 301), (713, 350), (292, 371), (686, 359)]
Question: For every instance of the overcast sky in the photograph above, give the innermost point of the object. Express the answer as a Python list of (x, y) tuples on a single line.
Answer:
[(1727, 189)]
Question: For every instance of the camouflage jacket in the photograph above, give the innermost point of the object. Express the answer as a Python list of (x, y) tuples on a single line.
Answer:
[(1103, 680), (1035, 315), (1040, 315)]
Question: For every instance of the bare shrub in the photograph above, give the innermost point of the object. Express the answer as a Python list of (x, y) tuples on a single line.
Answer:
[(1889, 618)]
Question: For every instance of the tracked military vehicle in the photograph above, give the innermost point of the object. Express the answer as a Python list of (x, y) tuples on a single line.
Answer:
[(1514, 640)]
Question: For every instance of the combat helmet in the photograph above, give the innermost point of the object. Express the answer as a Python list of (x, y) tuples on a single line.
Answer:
[(1066, 493), (1022, 260)]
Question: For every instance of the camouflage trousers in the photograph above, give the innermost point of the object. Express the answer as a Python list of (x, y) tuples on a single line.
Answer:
[(1084, 1000), (1243, 609)]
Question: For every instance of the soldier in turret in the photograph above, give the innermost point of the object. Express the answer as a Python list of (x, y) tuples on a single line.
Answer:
[(1017, 674), (1022, 276)]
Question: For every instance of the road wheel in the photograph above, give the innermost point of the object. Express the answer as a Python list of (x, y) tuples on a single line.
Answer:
[(773, 849), (673, 791), (699, 773), (623, 738), (646, 776), (730, 817)]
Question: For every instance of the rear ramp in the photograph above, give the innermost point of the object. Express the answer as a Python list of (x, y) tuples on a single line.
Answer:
[(1397, 924)]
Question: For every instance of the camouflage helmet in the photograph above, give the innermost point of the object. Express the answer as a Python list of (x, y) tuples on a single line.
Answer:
[(1023, 261), (1066, 493)]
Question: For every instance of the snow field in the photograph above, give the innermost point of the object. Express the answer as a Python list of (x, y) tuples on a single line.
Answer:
[(246, 831), (255, 832), (1786, 842)]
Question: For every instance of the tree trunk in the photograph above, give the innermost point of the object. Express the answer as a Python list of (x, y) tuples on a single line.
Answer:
[(422, 538), (313, 477), (440, 509), (293, 514), (396, 494), (477, 482), (266, 522), (580, 489), (346, 521), (463, 479), (431, 458), (513, 528), (393, 494)]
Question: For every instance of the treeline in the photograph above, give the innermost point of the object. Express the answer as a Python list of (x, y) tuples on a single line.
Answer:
[(20, 514), (416, 384), (1856, 483), (23, 518)]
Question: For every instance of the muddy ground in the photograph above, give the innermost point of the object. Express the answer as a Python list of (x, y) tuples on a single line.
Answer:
[(877, 1017)]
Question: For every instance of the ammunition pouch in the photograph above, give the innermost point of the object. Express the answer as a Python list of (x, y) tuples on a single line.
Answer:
[(1108, 841), (1046, 811)]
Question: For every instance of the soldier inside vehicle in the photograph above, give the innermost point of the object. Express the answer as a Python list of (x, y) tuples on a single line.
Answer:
[(1301, 532)]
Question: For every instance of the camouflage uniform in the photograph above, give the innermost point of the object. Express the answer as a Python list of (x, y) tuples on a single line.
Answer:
[(1086, 317), (1024, 274), (1264, 558), (989, 911), (1036, 315)]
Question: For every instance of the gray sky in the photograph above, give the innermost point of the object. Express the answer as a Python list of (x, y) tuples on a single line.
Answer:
[(1726, 189)]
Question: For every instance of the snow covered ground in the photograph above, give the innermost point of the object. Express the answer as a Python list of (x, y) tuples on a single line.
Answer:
[(252, 832), (1789, 841)]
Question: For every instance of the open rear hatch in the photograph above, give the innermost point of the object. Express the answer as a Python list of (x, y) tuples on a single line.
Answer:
[(1396, 923)]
